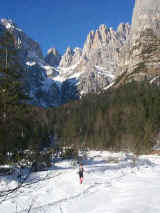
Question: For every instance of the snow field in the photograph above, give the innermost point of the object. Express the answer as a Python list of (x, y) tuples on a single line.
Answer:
[(113, 183)]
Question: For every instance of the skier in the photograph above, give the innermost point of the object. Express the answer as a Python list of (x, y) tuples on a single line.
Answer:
[(81, 170)]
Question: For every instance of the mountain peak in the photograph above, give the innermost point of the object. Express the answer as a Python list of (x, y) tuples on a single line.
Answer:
[(123, 27), (66, 59), (53, 57), (52, 50), (103, 28), (9, 24), (69, 50)]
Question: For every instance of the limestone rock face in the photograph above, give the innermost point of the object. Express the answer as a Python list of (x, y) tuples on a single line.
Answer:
[(102, 47), (146, 15), (53, 57), (67, 58), (104, 37), (77, 55), (145, 33), (140, 56), (101, 52), (92, 68), (71, 57), (89, 43)]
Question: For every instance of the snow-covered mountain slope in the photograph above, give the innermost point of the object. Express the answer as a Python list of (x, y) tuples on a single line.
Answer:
[(113, 183), (43, 90), (83, 81), (41, 87)]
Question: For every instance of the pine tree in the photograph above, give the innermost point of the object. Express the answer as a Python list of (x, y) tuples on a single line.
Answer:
[(12, 96)]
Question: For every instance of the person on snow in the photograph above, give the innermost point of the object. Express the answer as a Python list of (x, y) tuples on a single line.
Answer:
[(81, 170)]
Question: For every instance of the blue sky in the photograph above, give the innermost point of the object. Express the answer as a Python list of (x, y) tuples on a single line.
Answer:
[(63, 23)]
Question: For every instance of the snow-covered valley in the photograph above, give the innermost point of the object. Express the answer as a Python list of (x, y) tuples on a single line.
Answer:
[(113, 183)]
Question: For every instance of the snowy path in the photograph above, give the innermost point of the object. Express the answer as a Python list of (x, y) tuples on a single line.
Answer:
[(107, 188)]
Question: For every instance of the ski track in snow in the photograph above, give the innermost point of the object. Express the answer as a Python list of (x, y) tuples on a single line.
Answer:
[(104, 181), (87, 191)]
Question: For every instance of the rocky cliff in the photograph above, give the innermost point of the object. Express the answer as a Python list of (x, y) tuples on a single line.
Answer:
[(93, 68), (101, 47), (139, 58)]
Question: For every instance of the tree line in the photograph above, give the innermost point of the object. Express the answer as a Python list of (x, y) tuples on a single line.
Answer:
[(125, 118)]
